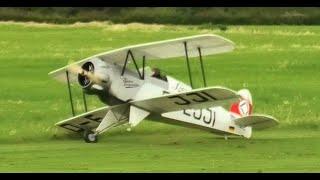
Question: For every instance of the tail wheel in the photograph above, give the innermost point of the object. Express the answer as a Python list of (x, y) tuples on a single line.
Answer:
[(90, 137)]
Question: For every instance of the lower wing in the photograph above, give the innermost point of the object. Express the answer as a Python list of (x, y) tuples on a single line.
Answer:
[(135, 111), (194, 99), (91, 120)]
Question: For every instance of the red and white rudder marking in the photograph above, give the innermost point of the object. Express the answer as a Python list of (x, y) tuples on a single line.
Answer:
[(244, 106)]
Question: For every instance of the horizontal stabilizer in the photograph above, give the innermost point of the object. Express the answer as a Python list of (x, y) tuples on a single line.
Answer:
[(257, 121)]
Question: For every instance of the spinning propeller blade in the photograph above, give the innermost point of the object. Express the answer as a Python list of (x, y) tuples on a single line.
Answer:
[(76, 69)]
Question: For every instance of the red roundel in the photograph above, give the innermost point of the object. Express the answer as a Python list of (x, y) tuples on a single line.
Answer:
[(242, 108)]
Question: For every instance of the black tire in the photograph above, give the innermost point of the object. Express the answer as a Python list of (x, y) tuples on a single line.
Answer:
[(90, 137)]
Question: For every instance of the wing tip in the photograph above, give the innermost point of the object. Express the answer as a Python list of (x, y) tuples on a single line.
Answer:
[(51, 73), (221, 37)]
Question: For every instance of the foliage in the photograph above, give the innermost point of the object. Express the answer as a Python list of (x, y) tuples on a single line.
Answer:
[(166, 15)]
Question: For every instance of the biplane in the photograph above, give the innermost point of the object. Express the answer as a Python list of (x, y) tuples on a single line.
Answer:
[(133, 94)]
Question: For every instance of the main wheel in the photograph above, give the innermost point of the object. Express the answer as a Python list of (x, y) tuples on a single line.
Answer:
[(90, 137)]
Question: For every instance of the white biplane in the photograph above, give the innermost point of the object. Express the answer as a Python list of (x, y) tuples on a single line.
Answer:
[(134, 94)]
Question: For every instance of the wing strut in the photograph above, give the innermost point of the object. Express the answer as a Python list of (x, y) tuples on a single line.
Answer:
[(84, 101), (201, 65), (188, 65), (70, 95), (202, 69), (143, 65)]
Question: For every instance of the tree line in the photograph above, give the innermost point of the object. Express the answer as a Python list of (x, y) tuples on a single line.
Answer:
[(166, 15)]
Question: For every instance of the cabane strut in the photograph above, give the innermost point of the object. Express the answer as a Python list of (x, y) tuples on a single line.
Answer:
[(141, 76)]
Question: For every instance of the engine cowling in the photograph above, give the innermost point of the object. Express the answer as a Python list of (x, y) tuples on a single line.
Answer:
[(84, 81), (98, 69)]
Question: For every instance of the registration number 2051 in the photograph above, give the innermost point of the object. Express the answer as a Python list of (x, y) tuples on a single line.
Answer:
[(208, 116)]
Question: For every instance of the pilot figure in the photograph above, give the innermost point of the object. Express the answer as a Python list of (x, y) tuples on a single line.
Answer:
[(157, 74)]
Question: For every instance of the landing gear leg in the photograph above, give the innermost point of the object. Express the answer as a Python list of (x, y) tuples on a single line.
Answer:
[(90, 137), (225, 137)]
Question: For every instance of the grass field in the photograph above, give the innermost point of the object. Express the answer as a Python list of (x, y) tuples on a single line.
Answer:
[(279, 64)]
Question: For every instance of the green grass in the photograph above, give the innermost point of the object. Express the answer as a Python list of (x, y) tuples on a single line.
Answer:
[(279, 64), (174, 151)]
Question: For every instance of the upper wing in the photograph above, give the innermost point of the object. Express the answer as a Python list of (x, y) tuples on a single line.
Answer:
[(209, 44), (92, 119), (194, 99), (257, 121)]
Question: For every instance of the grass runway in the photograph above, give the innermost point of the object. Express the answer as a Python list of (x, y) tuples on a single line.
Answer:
[(279, 64)]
